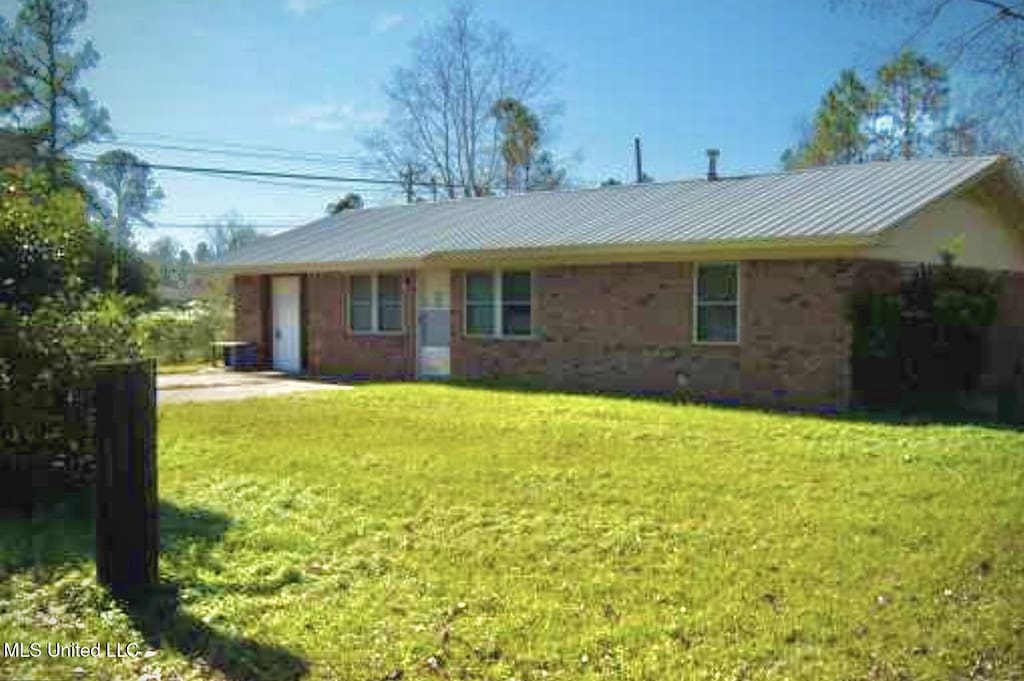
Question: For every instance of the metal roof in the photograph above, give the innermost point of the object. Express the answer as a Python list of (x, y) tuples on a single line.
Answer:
[(825, 204)]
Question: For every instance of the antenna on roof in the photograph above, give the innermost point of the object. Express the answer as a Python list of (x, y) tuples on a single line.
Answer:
[(639, 163)]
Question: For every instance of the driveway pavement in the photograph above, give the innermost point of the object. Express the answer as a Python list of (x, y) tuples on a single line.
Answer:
[(211, 385)]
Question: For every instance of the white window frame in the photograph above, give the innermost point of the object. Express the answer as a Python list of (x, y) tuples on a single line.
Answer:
[(696, 302), (499, 309), (375, 329)]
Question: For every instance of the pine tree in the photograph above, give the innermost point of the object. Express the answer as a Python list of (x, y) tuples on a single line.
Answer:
[(43, 96), (913, 97)]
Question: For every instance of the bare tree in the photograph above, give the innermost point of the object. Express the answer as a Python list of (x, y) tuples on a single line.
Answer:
[(441, 123), (229, 234)]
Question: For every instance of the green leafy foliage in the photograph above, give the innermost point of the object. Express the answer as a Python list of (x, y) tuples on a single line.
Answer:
[(904, 114), (43, 239), (927, 341), (839, 134), (175, 335), (52, 328), (108, 266)]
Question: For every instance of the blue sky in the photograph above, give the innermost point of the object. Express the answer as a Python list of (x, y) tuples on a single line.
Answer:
[(306, 75)]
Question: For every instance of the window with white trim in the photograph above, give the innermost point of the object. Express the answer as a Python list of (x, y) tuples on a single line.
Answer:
[(716, 303), (499, 303), (375, 303)]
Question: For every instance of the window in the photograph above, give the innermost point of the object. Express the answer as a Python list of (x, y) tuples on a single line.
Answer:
[(360, 304), (716, 303), (375, 303), (499, 304), (515, 303), (480, 304), (389, 302)]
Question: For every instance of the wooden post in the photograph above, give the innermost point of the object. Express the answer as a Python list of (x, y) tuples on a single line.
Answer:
[(127, 506)]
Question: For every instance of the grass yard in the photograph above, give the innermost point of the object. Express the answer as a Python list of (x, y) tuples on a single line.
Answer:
[(431, 531)]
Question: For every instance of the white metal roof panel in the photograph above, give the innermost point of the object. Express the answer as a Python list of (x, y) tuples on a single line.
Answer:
[(834, 201)]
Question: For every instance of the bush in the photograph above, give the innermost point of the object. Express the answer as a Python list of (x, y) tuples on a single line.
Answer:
[(109, 267), (52, 329), (183, 334), (924, 345), (45, 392)]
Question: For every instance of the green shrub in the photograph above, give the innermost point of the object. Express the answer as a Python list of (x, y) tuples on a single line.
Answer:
[(183, 334), (52, 329), (924, 345), (45, 392)]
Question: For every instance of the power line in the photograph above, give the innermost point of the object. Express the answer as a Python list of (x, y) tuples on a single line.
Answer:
[(275, 174), (215, 224), (289, 185), (233, 145), (234, 153), (319, 188)]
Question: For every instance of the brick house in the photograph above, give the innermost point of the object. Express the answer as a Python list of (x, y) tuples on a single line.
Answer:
[(727, 289)]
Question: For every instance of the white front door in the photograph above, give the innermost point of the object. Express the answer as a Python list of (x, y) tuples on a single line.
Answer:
[(434, 332), (285, 318)]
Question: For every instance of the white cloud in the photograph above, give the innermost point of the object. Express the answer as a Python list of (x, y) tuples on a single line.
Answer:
[(386, 22), (301, 8), (328, 116)]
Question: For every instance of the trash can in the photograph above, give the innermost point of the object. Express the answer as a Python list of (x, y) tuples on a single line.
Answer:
[(240, 356), (246, 357)]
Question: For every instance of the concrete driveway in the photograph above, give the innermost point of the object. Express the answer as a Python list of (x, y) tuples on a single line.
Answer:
[(214, 385)]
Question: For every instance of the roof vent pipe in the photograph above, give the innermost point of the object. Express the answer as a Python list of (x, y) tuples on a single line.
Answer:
[(713, 164)]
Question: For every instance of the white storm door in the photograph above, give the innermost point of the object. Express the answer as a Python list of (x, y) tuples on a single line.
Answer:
[(434, 331), (285, 314)]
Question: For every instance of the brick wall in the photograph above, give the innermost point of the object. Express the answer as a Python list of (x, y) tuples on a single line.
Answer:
[(629, 327), (332, 349), (249, 292)]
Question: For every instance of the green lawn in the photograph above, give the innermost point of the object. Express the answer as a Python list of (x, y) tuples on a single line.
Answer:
[(431, 531)]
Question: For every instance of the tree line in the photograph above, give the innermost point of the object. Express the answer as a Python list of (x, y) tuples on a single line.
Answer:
[(905, 109), (46, 114)]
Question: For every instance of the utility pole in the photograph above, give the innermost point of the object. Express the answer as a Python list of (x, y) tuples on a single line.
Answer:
[(639, 163), (408, 183)]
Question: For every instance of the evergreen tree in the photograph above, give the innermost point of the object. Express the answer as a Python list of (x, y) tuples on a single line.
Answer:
[(913, 97), (43, 68), (128, 192), (839, 132)]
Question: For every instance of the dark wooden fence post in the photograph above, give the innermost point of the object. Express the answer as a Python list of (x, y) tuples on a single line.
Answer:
[(127, 507)]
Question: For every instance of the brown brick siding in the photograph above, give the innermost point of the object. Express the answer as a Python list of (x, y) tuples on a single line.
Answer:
[(625, 343), (332, 349), (249, 294), (629, 327)]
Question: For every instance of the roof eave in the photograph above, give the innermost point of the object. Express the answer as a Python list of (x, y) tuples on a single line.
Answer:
[(770, 248)]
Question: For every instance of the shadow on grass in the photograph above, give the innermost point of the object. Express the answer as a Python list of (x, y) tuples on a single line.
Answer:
[(60, 533), (918, 413)]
